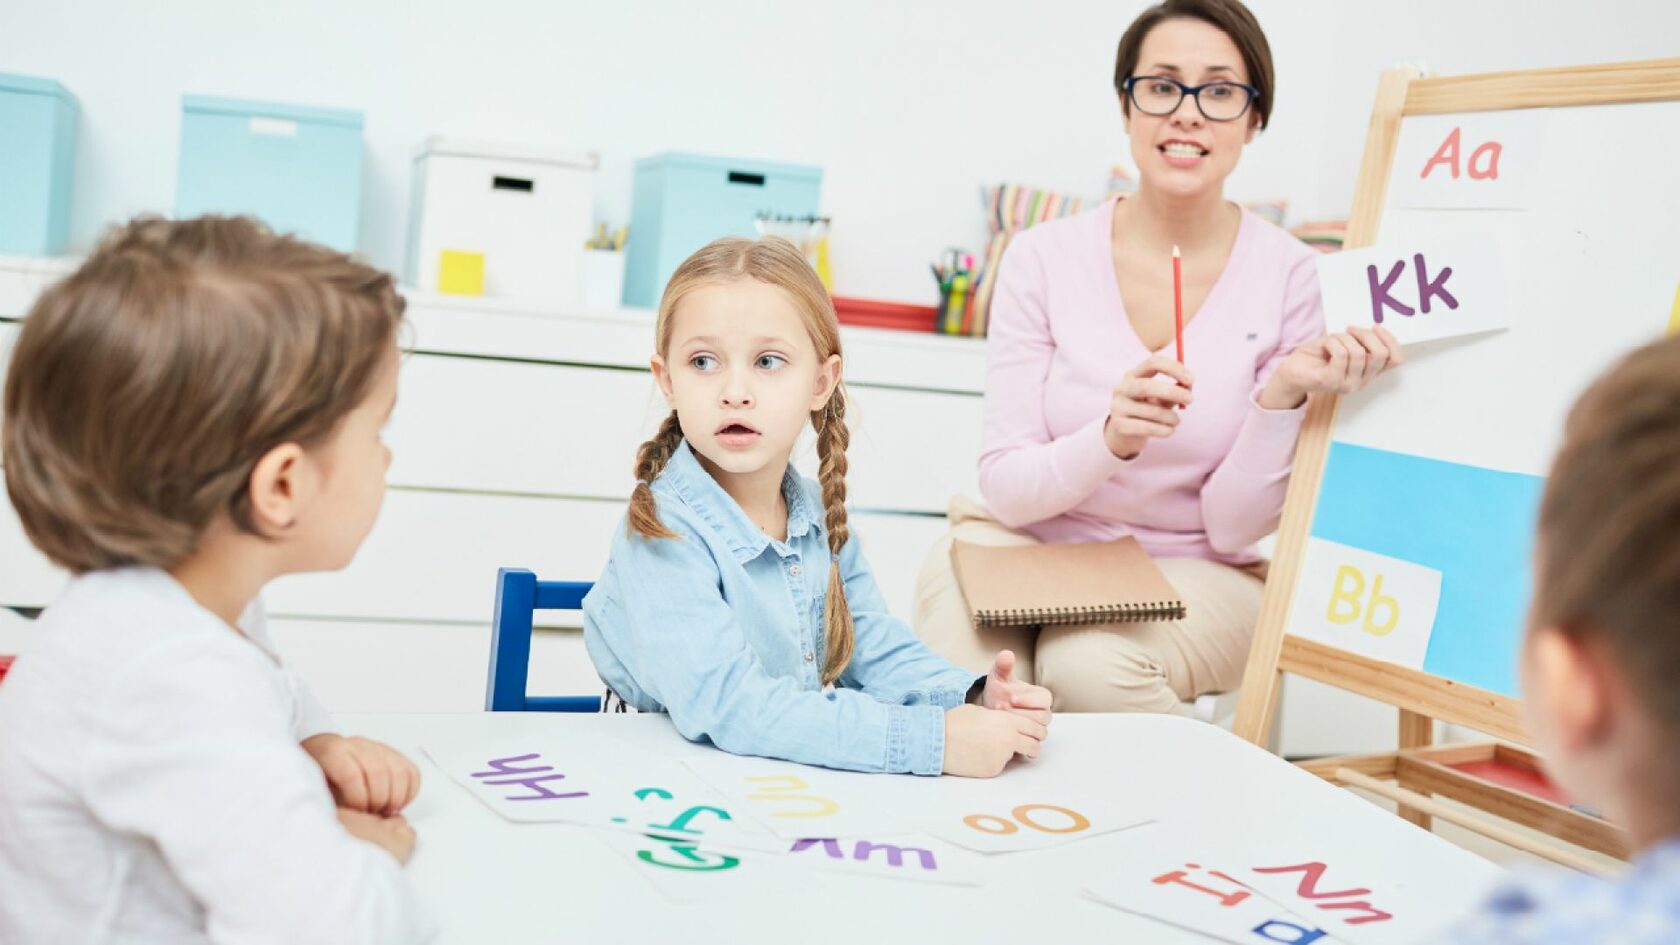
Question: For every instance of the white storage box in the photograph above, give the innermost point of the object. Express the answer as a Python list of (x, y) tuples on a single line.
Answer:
[(525, 210)]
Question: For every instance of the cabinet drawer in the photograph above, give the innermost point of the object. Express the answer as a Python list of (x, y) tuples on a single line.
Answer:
[(564, 430), (515, 329), (433, 556), (395, 667), (380, 666), (549, 429), (910, 450), (895, 546)]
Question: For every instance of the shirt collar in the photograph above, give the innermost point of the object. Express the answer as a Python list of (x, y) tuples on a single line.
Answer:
[(689, 481), (252, 626)]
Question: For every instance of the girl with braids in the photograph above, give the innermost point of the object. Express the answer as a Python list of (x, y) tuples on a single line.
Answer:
[(735, 598)]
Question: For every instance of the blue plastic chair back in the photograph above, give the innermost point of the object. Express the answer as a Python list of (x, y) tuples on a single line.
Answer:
[(519, 595)]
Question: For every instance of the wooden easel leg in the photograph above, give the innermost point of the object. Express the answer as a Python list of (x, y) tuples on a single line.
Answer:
[(1416, 731)]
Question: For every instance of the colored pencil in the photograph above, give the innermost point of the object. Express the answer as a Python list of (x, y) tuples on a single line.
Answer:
[(1178, 303)]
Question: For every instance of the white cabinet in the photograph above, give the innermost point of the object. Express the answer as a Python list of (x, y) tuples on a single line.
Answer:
[(573, 430), (420, 667), (911, 449), (519, 426), (433, 556)]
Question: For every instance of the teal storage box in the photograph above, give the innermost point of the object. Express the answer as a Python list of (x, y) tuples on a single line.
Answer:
[(297, 168), (37, 162), (680, 202)]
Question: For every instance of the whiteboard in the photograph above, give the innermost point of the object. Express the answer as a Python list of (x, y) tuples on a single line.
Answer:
[(1434, 473)]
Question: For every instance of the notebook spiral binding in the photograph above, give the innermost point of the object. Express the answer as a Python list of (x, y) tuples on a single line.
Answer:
[(1056, 616)]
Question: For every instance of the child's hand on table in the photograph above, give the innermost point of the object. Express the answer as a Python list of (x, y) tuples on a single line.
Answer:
[(1006, 693), (365, 775), (391, 834), (979, 741)]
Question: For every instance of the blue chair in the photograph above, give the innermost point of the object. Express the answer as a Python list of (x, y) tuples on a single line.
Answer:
[(519, 595)]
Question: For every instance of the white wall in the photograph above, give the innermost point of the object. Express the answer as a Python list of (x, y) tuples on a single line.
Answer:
[(1453, 37), (909, 107)]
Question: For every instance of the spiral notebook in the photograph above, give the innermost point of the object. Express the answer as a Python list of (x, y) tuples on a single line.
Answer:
[(1027, 585)]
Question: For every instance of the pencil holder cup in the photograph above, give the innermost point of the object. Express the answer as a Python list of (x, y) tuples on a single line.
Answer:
[(603, 278)]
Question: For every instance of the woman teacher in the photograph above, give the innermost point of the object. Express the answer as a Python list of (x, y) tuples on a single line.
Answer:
[(1094, 431)]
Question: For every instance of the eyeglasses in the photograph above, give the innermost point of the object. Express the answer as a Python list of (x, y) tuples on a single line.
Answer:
[(1217, 101)]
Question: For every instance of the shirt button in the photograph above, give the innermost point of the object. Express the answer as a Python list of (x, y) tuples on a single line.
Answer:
[(795, 570), (810, 657)]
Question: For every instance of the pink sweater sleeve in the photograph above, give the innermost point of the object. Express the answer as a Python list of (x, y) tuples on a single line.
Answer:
[(1243, 498), (1026, 475)]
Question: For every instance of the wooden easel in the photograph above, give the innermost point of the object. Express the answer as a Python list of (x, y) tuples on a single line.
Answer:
[(1418, 770)]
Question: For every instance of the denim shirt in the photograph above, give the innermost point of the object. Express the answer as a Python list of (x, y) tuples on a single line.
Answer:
[(722, 627), (1641, 907)]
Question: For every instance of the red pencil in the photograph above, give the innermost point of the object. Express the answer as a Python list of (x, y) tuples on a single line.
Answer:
[(1178, 303)]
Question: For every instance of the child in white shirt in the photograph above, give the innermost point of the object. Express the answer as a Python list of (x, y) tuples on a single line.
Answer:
[(192, 413)]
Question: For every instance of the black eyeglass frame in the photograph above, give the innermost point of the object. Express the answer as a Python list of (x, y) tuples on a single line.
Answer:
[(1194, 91)]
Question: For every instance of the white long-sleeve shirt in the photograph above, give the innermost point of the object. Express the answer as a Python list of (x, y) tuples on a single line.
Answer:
[(152, 788)]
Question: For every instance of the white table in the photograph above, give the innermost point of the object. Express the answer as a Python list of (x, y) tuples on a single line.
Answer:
[(489, 880)]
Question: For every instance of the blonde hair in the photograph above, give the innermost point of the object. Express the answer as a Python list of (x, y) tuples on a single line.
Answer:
[(773, 262), (145, 386)]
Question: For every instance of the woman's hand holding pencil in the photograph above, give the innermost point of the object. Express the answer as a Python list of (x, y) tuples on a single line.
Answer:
[(1145, 403)]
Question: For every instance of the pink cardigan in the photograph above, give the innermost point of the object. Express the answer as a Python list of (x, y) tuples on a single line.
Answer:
[(1060, 342)]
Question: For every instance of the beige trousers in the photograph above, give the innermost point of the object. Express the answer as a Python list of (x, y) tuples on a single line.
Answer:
[(1115, 667)]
